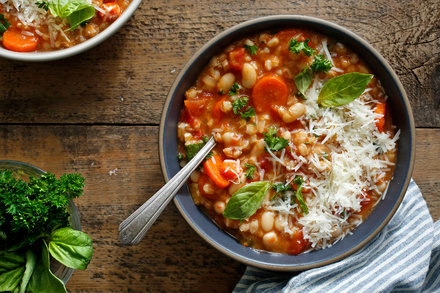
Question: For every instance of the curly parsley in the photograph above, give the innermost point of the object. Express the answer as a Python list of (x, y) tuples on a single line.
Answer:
[(251, 49), (234, 89), (296, 47), (240, 107), (274, 142), (250, 169), (320, 64)]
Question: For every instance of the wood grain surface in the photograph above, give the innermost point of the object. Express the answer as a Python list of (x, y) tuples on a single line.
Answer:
[(97, 113)]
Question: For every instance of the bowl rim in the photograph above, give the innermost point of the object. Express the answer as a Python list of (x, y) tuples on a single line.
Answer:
[(296, 20), (79, 48)]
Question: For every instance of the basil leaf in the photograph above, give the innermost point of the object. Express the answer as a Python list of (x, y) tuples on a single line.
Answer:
[(31, 262), (10, 280), (85, 12), (11, 260), (70, 247), (304, 79), (343, 89), (43, 280), (75, 11), (246, 201)]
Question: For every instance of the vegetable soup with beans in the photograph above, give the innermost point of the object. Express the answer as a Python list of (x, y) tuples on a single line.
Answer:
[(29, 25), (305, 143)]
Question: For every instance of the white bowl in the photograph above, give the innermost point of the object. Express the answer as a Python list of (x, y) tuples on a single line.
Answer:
[(64, 53)]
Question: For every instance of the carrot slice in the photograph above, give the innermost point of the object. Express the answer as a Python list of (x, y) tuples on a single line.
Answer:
[(112, 11), (380, 123), (268, 92), (236, 59), (231, 170), (212, 168), (14, 40)]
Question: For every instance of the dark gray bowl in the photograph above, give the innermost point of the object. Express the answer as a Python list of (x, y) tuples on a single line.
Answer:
[(402, 118)]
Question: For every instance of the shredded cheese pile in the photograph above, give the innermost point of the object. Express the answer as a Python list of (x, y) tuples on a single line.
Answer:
[(351, 134)]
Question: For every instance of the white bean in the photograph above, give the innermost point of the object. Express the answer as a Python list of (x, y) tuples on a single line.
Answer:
[(226, 82), (254, 226), (208, 188), (219, 207), (195, 176), (267, 220), (270, 239), (249, 75)]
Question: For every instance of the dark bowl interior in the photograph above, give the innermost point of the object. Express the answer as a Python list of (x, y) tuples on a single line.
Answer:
[(402, 118)]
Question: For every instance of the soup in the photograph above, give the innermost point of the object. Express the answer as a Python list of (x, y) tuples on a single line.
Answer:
[(28, 25), (305, 142)]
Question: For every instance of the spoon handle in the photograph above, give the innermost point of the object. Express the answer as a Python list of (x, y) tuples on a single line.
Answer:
[(132, 229)]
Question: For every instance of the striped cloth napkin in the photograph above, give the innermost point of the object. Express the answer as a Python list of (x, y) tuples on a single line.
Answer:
[(403, 257)]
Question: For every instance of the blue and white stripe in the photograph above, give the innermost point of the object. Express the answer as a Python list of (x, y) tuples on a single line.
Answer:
[(404, 257)]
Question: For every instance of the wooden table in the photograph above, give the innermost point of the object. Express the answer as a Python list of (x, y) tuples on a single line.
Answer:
[(97, 113)]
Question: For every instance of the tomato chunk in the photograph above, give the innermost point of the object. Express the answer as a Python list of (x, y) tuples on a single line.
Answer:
[(112, 11), (236, 59)]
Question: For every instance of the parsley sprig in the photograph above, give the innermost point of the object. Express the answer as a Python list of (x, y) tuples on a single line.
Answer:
[(274, 142), (43, 4), (251, 49), (240, 107), (296, 47), (234, 89), (4, 24), (320, 64), (250, 169), (298, 195)]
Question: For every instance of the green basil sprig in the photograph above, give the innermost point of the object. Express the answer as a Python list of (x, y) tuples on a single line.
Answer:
[(75, 11), (4, 24), (72, 248), (343, 89), (43, 280), (304, 79), (246, 201), (21, 272)]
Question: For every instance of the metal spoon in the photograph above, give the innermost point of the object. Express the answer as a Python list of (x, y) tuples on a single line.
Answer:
[(137, 224)]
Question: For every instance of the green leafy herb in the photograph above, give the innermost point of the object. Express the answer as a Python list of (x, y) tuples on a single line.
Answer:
[(274, 142), (325, 155), (296, 47), (320, 64), (31, 261), (32, 214), (180, 157), (303, 80), (239, 107), (239, 104), (250, 112), (251, 49), (280, 187), (209, 155), (343, 89), (234, 89), (43, 4), (220, 92), (4, 24), (205, 138), (250, 169), (298, 194), (43, 280), (193, 149), (31, 210), (246, 201), (75, 11), (70, 247)]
